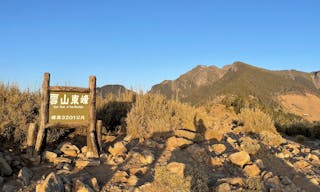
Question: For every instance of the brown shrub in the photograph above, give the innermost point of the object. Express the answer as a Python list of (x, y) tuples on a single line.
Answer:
[(153, 113), (17, 110), (256, 121)]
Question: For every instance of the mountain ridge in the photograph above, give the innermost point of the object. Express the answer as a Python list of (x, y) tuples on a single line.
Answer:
[(201, 83)]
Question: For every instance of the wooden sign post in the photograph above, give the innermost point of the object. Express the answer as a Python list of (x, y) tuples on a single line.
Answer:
[(68, 107)]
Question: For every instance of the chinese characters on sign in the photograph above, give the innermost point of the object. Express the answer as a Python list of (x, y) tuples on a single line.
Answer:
[(67, 107)]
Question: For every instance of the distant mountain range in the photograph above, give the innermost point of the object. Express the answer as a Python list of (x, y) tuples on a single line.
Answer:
[(296, 91), (203, 83)]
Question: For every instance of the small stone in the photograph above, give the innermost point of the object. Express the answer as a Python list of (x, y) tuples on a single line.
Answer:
[(70, 150), (50, 156), (146, 157), (218, 148), (236, 181), (94, 184), (138, 170), (117, 149), (224, 187), (175, 142), (216, 162), (81, 187), (80, 163), (249, 145), (260, 163), (176, 168), (301, 164), (312, 157), (84, 149), (25, 175), (240, 158), (285, 180), (5, 168), (132, 180), (61, 160), (67, 167), (251, 170)]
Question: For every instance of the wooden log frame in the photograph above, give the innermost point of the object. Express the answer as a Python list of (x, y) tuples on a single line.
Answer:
[(44, 115)]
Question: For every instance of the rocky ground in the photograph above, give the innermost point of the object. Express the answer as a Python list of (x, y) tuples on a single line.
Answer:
[(179, 161)]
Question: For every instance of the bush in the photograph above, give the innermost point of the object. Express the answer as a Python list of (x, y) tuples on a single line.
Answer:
[(153, 113), (17, 110), (256, 121), (113, 110)]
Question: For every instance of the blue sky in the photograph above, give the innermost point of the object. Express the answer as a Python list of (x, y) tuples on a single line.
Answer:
[(140, 43)]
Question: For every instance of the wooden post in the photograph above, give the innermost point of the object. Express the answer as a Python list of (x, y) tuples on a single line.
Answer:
[(31, 138), (99, 134), (91, 138), (44, 111)]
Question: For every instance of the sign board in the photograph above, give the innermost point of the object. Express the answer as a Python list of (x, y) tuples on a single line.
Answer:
[(68, 107)]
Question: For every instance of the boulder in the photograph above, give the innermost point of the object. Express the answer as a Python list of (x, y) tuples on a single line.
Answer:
[(176, 168), (251, 170), (69, 150), (52, 183), (5, 168), (25, 175), (175, 142), (118, 149), (218, 148), (240, 158)]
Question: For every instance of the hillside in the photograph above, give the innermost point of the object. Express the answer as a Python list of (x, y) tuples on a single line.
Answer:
[(202, 84), (111, 89)]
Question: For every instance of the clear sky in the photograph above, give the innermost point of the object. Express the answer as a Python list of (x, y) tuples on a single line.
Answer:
[(141, 43)]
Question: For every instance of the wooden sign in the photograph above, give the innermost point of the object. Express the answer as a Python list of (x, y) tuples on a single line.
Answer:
[(69, 107)]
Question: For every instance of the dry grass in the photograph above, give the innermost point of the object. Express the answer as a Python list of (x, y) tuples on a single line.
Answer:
[(153, 113), (256, 121), (17, 110)]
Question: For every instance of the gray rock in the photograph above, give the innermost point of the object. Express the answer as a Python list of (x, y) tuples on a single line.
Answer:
[(9, 188), (5, 168), (25, 175)]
